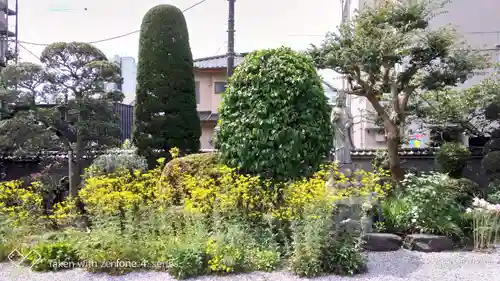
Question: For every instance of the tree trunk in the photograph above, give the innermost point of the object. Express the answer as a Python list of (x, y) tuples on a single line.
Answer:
[(77, 168), (393, 143), (78, 152)]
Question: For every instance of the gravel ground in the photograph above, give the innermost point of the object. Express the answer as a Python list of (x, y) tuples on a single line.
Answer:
[(392, 266)]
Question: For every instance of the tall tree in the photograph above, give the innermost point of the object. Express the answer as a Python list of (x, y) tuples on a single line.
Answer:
[(389, 53), (23, 129), (165, 107), (72, 77)]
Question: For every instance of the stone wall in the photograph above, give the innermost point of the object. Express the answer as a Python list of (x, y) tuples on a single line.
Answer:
[(420, 159)]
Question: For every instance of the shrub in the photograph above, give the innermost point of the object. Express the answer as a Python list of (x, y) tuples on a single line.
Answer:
[(275, 117), (186, 262), (344, 255), (165, 108), (432, 203), (466, 190), (492, 148), (52, 255), (396, 214), (117, 160), (263, 259), (104, 246), (21, 205), (381, 160), (323, 246), (197, 165), (492, 145), (452, 158), (490, 164)]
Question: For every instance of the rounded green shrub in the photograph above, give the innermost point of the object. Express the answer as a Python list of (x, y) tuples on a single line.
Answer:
[(466, 190), (275, 117), (199, 164), (452, 158), (165, 106)]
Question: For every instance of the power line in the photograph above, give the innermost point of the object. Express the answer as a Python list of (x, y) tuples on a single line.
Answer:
[(28, 50), (218, 50), (114, 37)]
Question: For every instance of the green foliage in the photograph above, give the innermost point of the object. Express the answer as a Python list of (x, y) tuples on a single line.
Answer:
[(186, 262), (211, 218), (117, 160), (464, 107), (376, 42), (396, 214), (72, 77), (466, 190), (432, 205), (492, 145), (90, 108), (165, 108), (494, 197), (319, 246), (492, 111), (381, 160), (452, 158), (490, 164), (275, 117), (52, 255)]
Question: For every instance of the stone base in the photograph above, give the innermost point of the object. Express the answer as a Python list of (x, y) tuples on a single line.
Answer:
[(427, 243), (381, 242)]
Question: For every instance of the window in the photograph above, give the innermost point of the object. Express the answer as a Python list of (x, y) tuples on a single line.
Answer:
[(197, 92), (220, 87)]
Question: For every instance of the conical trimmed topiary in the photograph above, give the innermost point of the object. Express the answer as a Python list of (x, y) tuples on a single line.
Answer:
[(165, 108)]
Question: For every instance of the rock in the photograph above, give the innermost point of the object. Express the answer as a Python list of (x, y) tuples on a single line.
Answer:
[(427, 243), (381, 242)]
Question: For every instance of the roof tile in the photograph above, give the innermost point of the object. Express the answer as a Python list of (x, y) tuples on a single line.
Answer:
[(217, 62)]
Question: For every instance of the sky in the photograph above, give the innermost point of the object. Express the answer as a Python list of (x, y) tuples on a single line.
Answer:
[(258, 23)]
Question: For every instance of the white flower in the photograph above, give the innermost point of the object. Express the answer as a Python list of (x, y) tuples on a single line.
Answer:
[(475, 202), (468, 210)]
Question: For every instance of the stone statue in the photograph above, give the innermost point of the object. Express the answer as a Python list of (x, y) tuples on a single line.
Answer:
[(342, 121), (213, 141)]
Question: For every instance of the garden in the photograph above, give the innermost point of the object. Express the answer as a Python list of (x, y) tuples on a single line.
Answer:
[(271, 198), (284, 206)]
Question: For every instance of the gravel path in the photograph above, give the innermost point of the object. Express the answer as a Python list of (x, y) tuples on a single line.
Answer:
[(392, 266)]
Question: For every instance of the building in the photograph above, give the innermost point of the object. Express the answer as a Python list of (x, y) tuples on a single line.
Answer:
[(128, 68), (211, 79), (5, 29), (477, 22), (126, 115)]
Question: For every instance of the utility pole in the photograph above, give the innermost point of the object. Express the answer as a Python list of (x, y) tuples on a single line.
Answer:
[(16, 47), (230, 39)]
